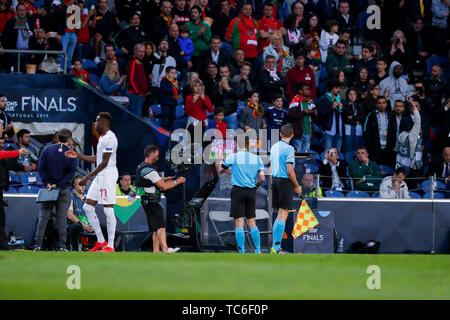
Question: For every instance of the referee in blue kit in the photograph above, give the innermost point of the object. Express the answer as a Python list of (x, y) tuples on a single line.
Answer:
[(284, 183), (245, 168)]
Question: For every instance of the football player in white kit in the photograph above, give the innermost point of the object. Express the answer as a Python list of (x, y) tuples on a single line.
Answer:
[(103, 188)]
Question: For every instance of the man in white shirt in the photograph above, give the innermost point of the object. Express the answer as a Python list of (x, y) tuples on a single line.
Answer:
[(103, 188), (394, 187)]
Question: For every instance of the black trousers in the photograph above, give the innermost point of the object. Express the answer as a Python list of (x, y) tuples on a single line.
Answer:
[(74, 230), (3, 236)]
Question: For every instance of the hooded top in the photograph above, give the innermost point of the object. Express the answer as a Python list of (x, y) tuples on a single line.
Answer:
[(398, 87)]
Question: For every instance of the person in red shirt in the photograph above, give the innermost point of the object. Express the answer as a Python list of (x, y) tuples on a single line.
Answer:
[(300, 73), (83, 33), (6, 13), (196, 106), (79, 72), (221, 126), (267, 25), (243, 33), (137, 79)]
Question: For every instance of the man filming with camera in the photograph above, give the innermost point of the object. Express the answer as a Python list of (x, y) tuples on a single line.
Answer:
[(148, 178)]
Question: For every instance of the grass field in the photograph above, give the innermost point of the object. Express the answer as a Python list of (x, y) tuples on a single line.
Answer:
[(42, 275)]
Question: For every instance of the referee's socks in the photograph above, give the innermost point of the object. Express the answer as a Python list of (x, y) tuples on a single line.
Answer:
[(256, 238), (240, 239)]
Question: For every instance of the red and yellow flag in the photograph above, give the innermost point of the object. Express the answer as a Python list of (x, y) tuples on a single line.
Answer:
[(305, 220)]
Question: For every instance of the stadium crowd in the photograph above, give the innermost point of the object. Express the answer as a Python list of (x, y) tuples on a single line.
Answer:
[(367, 99)]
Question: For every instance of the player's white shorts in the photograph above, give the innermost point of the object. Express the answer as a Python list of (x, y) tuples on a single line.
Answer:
[(103, 189)]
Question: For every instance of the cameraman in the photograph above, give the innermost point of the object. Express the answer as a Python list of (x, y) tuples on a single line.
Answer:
[(4, 185), (147, 177)]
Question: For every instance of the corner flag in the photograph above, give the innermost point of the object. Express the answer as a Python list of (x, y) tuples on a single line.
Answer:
[(305, 220)]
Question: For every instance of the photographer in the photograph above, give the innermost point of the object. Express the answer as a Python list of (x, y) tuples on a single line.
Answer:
[(4, 185), (147, 177), (398, 51)]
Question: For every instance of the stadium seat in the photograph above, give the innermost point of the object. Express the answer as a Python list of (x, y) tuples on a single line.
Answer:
[(157, 110), (414, 195), (350, 156), (13, 178), (89, 64), (10, 145), (376, 194), (179, 111), (435, 61), (311, 168), (29, 189), (426, 185), (358, 194), (241, 105), (437, 195), (95, 79), (11, 190), (386, 170), (334, 194), (30, 178)]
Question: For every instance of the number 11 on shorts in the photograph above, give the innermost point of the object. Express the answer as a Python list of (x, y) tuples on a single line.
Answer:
[(103, 191)]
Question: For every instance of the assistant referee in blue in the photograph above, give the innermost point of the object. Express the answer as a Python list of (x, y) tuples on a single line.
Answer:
[(246, 167), (284, 183)]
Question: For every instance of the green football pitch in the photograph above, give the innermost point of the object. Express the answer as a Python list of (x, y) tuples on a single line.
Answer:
[(42, 275)]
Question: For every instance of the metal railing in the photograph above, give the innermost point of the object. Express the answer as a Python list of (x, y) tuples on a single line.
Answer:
[(20, 51)]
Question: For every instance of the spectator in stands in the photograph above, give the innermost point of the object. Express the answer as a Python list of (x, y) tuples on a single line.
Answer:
[(400, 53), (370, 102), (214, 53), (329, 38), (275, 117), (395, 87), (137, 80), (69, 36), (225, 15), (78, 71), (111, 82), (6, 118), (362, 82), (272, 83), (190, 78), (76, 218), (159, 68), (211, 81), (301, 113), (367, 61), (420, 40), (329, 108), (277, 49), (397, 119), (162, 22), (436, 86), (180, 13), (441, 166), (353, 115), (333, 172), (200, 34), (228, 94), (309, 186), (176, 51), (366, 173), (442, 138), (294, 37), (243, 79), (439, 25), (337, 61), (206, 11), (127, 38), (110, 55), (169, 95), (196, 107), (376, 132), (425, 106), (6, 13), (243, 32), (345, 20), (125, 188), (341, 79), (56, 171), (312, 33), (252, 115), (298, 10), (268, 26), (104, 24), (44, 41), (220, 125), (300, 73), (26, 162), (17, 34), (394, 187), (237, 62), (186, 45), (125, 8), (381, 73)]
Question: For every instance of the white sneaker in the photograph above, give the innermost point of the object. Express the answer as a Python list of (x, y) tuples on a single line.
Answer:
[(97, 60), (173, 250)]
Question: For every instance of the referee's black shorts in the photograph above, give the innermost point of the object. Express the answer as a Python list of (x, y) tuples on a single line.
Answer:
[(155, 215), (282, 193), (243, 202)]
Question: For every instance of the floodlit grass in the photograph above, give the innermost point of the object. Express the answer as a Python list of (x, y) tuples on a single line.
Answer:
[(42, 275)]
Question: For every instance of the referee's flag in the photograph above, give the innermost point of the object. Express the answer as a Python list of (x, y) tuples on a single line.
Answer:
[(305, 220)]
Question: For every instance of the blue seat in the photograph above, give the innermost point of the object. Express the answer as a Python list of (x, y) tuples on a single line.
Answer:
[(377, 194), (157, 110), (30, 178), (311, 168), (334, 194), (358, 194), (11, 190), (435, 61), (179, 111), (322, 73), (95, 79), (386, 170), (414, 195), (11, 146), (89, 64), (437, 195), (426, 185), (350, 156), (14, 178), (29, 189), (241, 105), (440, 185)]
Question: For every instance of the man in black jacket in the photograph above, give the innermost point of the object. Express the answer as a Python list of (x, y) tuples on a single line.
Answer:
[(272, 82), (228, 95), (213, 53), (397, 119), (174, 48), (333, 172), (162, 22), (130, 36)]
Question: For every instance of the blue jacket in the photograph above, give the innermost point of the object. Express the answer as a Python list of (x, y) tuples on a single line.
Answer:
[(55, 168), (166, 93), (187, 46), (109, 87)]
